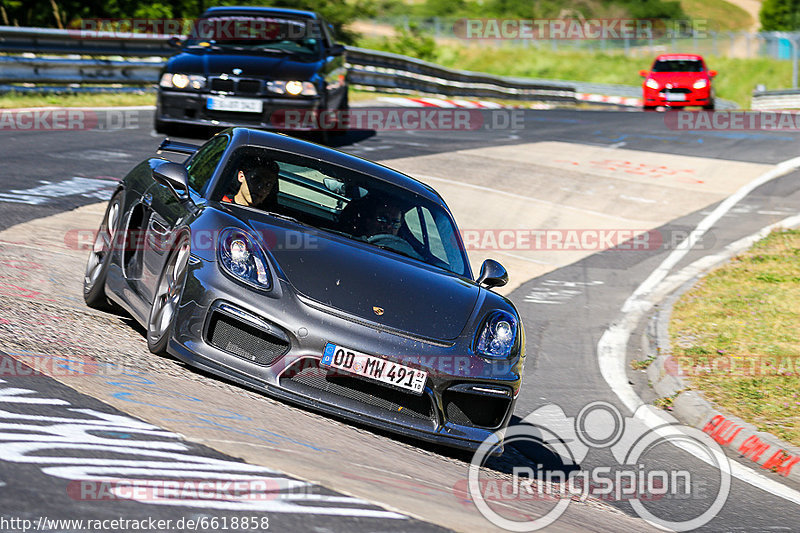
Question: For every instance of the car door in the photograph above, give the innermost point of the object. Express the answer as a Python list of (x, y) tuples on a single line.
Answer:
[(167, 213)]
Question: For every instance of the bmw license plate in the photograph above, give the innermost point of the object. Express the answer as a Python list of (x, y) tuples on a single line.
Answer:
[(226, 103), (374, 368), (675, 97)]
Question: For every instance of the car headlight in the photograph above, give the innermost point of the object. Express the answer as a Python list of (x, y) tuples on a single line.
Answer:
[(292, 87), (243, 258), (498, 336), (700, 84), (651, 83), (171, 80)]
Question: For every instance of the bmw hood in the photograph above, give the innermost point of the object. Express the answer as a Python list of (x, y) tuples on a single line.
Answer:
[(371, 284), (283, 67)]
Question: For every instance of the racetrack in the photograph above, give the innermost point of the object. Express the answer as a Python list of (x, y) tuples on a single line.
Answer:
[(565, 170)]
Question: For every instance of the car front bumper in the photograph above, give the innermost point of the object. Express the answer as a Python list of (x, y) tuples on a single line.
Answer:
[(466, 398), (185, 108), (691, 97)]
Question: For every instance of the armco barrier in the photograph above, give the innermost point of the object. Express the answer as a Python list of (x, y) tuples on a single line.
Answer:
[(785, 99), (367, 68)]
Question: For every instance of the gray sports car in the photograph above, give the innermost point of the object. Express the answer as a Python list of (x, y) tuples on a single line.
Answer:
[(316, 277)]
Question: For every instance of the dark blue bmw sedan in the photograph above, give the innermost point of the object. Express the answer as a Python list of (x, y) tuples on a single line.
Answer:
[(247, 66)]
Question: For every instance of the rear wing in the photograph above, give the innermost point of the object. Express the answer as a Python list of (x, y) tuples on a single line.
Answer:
[(177, 147)]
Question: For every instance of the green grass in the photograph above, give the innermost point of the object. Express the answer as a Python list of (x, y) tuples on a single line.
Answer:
[(722, 15), (737, 333), (15, 100)]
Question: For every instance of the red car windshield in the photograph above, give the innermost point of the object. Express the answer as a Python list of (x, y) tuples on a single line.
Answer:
[(678, 65)]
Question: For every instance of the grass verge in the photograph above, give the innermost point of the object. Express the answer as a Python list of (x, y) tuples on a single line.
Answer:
[(737, 334), (721, 15), (16, 100)]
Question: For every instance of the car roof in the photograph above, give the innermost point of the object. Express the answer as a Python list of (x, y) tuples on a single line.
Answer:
[(692, 57), (279, 141), (251, 10)]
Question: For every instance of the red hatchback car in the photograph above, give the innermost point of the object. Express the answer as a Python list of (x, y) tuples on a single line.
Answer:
[(678, 80)]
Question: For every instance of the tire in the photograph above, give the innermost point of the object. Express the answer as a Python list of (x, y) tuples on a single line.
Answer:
[(164, 310), (649, 108), (710, 106), (94, 277)]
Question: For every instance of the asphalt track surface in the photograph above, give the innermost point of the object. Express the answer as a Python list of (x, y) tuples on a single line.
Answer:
[(565, 313)]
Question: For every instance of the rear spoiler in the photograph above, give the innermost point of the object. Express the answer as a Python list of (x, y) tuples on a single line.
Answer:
[(177, 147)]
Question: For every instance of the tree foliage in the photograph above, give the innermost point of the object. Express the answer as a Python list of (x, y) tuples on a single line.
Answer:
[(780, 15), (40, 13)]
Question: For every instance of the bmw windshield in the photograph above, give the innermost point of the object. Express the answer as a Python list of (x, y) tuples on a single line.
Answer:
[(257, 34)]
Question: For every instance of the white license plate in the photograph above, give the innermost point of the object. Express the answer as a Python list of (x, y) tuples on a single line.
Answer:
[(675, 97), (374, 368), (226, 103)]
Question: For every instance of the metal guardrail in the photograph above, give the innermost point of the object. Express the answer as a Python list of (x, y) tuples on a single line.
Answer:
[(392, 71), (68, 70), (767, 100), (14, 39), (368, 68)]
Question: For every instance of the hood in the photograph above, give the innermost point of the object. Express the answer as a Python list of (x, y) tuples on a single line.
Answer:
[(678, 79), (352, 278), (270, 66)]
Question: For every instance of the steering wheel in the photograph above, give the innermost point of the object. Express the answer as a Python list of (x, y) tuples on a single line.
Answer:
[(394, 242)]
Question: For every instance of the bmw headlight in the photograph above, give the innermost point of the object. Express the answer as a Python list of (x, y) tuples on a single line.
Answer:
[(498, 336), (700, 84), (651, 83), (292, 88), (243, 258), (177, 80)]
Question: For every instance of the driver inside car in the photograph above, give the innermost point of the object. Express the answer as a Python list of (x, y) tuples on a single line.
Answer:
[(379, 224), (255, 183)]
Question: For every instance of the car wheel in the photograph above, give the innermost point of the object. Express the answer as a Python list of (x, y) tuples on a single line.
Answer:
[(709, 106), (167, 298), (94, 279), (649, 108)]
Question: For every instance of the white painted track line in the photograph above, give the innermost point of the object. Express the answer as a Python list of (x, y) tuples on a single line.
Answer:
[(611, 349)]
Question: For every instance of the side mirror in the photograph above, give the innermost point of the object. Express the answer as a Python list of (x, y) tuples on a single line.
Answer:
[(337, 49), (712, 73), (643, 73), (174, 176), (493, 274), (175, 41)]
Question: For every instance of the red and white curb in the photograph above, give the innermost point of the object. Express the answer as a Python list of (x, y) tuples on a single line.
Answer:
[(408, 101), (626, 101)]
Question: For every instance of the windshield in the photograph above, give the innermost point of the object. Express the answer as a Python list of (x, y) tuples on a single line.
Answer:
[(678, 65), (267, 34), (342, 201)]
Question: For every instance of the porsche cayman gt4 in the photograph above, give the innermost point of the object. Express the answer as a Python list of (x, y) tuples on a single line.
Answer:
[(316, 277)]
